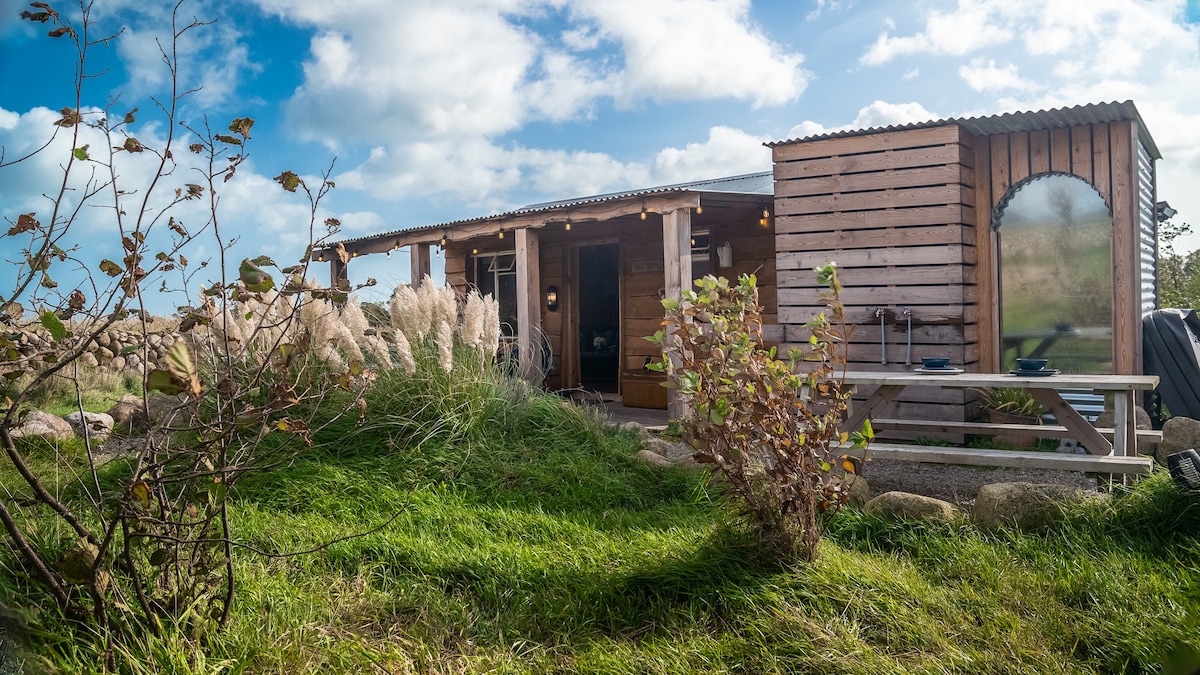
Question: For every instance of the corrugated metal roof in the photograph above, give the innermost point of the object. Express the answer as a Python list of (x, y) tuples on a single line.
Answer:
[(751, 183), (1080, 115)]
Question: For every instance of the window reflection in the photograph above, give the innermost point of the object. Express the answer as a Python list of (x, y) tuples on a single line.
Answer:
[(1056, 275)]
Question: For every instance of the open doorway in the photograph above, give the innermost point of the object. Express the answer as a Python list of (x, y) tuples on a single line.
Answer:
[(599, 317)]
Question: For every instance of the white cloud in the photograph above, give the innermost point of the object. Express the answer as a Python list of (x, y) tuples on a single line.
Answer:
[(877, 114), (966, 29), (883, 114), (8, 119), (726, 152), (988, 76), (211, 59), (361, 222), (256, 212), (694, 50), (393, 73)]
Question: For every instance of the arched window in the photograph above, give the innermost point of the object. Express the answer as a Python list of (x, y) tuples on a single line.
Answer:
[(1056, 273)]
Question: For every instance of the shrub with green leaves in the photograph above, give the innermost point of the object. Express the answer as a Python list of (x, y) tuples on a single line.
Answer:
[(769, 426)]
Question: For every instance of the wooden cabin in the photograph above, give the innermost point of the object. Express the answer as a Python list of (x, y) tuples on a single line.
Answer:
[(588, 274), (981, 239)]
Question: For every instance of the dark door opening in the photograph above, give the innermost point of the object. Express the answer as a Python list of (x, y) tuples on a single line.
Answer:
[(599, 317)]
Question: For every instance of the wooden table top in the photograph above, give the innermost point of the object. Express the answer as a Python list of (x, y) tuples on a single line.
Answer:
[(966, 380)]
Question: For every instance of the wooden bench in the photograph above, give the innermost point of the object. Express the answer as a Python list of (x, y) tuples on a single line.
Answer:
[(1111, 464), (987, 429)]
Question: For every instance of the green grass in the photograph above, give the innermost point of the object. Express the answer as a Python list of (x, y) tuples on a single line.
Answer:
[(530, 541)]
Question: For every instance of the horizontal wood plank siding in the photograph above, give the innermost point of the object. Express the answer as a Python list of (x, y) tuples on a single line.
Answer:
[(896, 211)]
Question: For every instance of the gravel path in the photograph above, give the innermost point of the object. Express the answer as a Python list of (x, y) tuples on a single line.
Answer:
[(959, 484)]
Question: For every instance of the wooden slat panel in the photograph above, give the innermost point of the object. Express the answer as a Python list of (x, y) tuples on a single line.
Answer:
[(890, 217), (1039, 151), (896, 276), (899, 159), (1081, 153), (942, 174), (1060, 150), (1126, 286), (880, 257), (899, 295), (860, 201), (985, 260), (912, 236), (868, 143), (1101, 168), (951, 314), (1018, 156), (896, 331), (999, 169)]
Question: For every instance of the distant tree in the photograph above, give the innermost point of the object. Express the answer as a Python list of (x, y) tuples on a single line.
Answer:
[(1178, 273)]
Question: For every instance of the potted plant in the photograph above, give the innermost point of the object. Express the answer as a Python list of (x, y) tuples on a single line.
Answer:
[(1012, 405)]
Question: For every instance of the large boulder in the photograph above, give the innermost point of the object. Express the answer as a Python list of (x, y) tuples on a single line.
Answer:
[(128, 415), (907, 506), (97, 425), (50, 427), (1107, 419), (165, 410), (676, 453), (1027, 506), (654, 459), (1179, 434), (860, 493)]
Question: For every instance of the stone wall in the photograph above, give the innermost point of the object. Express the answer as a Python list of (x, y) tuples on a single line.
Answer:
[(117, 349)]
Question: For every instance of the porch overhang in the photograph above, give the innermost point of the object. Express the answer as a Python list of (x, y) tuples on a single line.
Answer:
[(590, 209)]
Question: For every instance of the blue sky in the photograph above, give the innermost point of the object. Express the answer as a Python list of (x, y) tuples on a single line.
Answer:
[(438, 110)]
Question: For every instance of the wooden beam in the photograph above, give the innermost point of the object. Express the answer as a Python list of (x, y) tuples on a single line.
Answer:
[(529, 305), (338, 273), (486, 227), (677, 274), (418, 255), (985, 260), (1126, 238), (1008, 458)]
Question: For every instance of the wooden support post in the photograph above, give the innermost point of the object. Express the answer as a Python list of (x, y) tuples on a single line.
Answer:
[(677, 266), (418, 255), (529, 343), (339, 276)]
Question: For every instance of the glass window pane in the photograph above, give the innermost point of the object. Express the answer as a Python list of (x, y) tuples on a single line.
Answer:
[(1056, 275)]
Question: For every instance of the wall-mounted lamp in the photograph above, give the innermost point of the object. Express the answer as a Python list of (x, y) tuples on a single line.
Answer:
[(699, 210), (443, 242), (474, 251), (552, 298), (501, 233), (1163, 212), (567, 227), (643, 210)]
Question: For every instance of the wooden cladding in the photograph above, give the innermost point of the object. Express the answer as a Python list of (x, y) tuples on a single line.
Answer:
[(896, 211)]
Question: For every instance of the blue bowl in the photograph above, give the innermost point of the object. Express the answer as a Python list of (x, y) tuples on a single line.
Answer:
[(1031, 364), (932, 363)]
